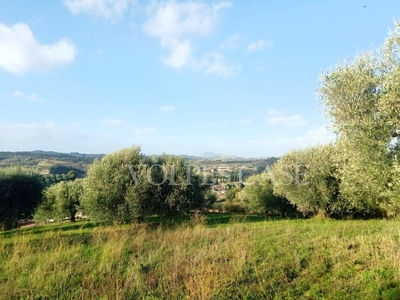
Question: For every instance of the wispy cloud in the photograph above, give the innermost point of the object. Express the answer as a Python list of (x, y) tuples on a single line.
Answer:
[(258, 45), (15, 137), (113, 122), (107, 9), (281, 118), (32, 97), (311, 137), (230, 43), (215, 64), (20, 52), (176, 24), (167, 108), (246, 121), (147, 130)]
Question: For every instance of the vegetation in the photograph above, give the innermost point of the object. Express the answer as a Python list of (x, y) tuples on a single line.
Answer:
[(258, 197), (20, 193), (200, 258), (307, 178), (362, 99), (126, 186), (50, 163), (61, 200), (281, 259)]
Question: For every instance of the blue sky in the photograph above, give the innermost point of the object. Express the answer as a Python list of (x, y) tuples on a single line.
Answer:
[(180, 77)]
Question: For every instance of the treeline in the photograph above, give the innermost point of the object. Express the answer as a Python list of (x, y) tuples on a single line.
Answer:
[(124, 187), (23, 156)]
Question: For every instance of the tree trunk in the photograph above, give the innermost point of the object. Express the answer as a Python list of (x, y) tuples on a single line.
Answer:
[(73, 213)]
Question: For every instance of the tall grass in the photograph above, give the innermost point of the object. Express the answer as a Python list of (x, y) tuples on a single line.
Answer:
[(291, 259)]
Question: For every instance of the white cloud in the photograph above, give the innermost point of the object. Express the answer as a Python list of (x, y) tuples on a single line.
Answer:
[(167, 108), (215, 64), (246, 121), (230, 43), (176, 24), (147, 130), (20, 52), (73, 137), (107, 9), (173, 19), (32, 97), (34, 136), (113, 122), (258, 45), (280, 118), (259, 64), (318, 136), (18, 94)]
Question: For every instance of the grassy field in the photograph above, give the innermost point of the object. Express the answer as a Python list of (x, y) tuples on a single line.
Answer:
[(221, 257)]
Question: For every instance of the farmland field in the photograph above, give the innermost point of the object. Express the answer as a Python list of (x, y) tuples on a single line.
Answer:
[(207, 257)]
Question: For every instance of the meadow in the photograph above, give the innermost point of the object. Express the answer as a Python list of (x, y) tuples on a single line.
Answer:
[(205, 257)]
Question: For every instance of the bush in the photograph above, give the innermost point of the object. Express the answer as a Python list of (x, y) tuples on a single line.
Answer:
[(258, 197), (235, 208), (20, 193), (61, 200)]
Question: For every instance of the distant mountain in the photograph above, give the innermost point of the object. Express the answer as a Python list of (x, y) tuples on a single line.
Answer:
[(209, 154)]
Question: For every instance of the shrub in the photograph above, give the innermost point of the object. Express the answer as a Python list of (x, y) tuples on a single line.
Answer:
[(20, 193)]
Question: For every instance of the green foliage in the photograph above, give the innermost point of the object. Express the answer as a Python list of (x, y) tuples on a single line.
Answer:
[(232, 192), (126, 186), (70, 193), (258, 197), (362, 99), (20, 193), (109, 184), (71, 175), (71, 171), (233, 207), (61, 200), (308, 179)]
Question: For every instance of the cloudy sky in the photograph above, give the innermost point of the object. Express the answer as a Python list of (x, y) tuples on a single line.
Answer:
[(180, 77)]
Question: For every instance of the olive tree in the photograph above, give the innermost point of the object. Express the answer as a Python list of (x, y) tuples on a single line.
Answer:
[(20, 193), (61, 200), (167, 186), (258, 196), (125, 186), (109, 183), (361, 98), (308, 179)]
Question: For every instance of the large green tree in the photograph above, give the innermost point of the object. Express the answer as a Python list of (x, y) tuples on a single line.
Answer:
[(20, 193), (125, 186), (362, 99), (308, 179), (109, 184)]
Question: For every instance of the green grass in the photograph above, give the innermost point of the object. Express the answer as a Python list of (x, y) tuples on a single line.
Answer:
[(218, 257)]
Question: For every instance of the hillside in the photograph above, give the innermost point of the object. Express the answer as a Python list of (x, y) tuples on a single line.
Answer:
[(49, 162)]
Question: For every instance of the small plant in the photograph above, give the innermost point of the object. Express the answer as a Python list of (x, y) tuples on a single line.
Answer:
[(235, 208)]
